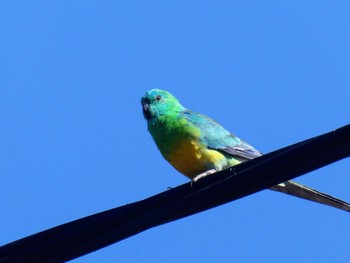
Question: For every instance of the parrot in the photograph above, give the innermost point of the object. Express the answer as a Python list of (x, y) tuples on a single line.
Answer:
[(197, 146)]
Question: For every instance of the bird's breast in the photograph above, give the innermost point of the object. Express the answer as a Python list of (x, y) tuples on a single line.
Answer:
[(191, 158)]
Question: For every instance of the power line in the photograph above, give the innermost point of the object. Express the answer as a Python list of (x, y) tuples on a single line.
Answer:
[(85, 235)]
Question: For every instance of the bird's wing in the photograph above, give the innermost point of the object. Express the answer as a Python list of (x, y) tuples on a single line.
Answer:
[(217, 137)]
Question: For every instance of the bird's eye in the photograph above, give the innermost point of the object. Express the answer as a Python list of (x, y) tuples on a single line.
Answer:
[(158, 98)]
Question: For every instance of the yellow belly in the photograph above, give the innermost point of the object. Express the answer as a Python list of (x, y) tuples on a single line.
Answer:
[(191, 158)]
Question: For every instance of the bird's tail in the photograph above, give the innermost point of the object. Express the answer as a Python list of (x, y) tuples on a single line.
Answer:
[(302, 191)]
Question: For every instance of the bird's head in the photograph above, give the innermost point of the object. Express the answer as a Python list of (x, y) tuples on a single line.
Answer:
[(158, 102)]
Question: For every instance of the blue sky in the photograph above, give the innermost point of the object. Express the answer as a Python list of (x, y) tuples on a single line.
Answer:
[(73, 141)]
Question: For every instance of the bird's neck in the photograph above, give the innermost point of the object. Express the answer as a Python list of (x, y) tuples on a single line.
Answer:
[(166, 131)]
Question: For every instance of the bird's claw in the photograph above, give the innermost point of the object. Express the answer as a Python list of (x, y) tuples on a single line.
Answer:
[(202, 175)]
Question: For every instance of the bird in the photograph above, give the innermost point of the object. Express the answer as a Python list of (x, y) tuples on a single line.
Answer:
[(197, 146)]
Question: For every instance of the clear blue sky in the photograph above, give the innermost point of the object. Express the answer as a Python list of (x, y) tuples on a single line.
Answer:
[(73, 141)]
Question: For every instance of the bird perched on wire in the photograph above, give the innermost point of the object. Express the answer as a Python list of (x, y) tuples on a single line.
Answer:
[(197, 146)]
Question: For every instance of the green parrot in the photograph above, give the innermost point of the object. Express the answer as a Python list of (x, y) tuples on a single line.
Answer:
[(197, 146)]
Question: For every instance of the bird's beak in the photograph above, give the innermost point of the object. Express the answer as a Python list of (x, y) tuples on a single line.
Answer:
[(145, 107), (146, 112)]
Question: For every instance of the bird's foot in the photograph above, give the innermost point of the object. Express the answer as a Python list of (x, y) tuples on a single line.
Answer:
[(202, 175)]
